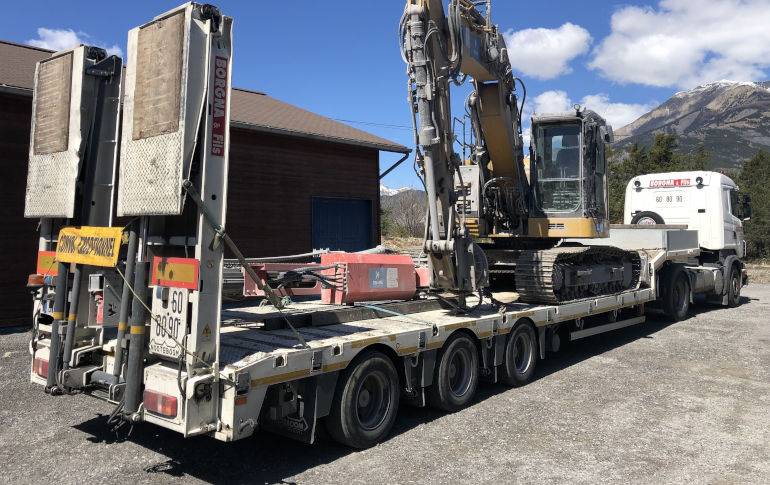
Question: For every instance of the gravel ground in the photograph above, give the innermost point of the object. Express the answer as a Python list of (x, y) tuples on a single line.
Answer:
[(656, 403), (759, 273)]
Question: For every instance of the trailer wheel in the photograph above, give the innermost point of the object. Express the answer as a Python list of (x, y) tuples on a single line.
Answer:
[(520, 356), (647, 218), (456, 375), (677, 299), (734, 290), (365, 402)]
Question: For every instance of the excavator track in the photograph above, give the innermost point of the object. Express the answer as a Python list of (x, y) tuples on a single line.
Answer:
[(565, 274)]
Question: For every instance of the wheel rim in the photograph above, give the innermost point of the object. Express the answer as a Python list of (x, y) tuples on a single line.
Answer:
[(459, 371), (736, 284), (647, 221), (522, 353), (373, 400)]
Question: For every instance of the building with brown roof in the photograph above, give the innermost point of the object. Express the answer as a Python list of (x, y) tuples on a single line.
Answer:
[(297, 180)]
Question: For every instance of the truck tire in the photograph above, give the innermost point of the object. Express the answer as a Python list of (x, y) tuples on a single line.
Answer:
[(676, 302), (456, 375), (365, 403), (647, 218), (520, 356), (734, 287)]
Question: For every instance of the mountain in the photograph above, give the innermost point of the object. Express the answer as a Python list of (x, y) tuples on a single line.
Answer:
[(731, 118), (399, 199), (386, 191)]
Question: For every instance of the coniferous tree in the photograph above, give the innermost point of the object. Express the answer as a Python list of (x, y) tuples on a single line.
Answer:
[(754, 181)]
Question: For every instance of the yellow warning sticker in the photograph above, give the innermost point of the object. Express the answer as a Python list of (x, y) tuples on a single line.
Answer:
[(95, 246)]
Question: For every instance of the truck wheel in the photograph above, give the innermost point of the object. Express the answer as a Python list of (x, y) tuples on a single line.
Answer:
[(365, 402), (734, 288), (520, 356), (647, 218), (456, 375), (677, 299)]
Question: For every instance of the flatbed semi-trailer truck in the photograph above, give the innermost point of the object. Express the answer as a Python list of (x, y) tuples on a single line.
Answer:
[(135, 315), (376, 356)]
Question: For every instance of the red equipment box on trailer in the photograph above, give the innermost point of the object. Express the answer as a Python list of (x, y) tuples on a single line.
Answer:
[(370, 277)]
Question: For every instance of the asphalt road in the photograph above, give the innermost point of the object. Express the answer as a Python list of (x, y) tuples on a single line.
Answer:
[(656, 403)]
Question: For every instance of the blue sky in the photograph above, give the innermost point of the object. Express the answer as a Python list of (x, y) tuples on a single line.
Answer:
[(341, 59)]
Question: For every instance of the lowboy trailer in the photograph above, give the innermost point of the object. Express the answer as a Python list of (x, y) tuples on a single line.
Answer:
[(156, 339)]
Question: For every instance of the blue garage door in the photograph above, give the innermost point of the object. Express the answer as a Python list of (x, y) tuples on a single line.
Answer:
[(342, 224)]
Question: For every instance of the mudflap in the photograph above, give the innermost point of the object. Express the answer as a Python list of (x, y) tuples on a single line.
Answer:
[(419, 374), (292, 409), (488, 358)]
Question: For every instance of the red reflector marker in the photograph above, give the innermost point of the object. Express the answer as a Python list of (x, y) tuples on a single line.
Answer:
[(160, 403), (41, 367)]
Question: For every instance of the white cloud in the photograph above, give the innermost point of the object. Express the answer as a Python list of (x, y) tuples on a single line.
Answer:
[(115, 50), (61, 39), (551, 102), (55, 39), (545, 53), (616, 114), (685, 43), (526, 137)]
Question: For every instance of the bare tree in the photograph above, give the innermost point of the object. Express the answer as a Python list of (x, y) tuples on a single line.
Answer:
[(409, 212)]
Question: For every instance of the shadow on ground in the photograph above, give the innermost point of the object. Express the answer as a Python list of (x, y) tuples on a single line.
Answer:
[(8, 330), (270, 458)]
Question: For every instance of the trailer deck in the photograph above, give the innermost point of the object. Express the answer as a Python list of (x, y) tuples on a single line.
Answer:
[(259, 355), (245, 341)]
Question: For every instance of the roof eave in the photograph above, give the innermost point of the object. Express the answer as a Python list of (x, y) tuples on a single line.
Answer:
[(319, 137), (5, 88)]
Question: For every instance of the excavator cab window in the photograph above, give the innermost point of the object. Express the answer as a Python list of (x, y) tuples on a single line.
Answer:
[(558, 167)]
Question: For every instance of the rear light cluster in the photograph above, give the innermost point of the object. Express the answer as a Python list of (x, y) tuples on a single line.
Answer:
[(41, 367), (158, 403)]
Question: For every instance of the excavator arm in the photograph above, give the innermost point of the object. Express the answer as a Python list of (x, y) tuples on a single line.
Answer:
[(442, 48)]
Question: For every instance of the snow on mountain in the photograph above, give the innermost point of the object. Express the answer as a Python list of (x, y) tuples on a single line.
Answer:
[(384, 190), (724, 83)]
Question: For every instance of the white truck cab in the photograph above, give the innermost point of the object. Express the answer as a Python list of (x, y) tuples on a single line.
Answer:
[(708, 202)]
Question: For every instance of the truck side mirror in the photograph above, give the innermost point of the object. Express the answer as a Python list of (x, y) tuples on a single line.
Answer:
[(746, 212)]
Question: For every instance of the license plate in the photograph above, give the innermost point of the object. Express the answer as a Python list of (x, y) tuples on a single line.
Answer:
[(169, 305)]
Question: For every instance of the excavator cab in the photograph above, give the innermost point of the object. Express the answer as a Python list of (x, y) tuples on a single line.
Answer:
[(568, 175)]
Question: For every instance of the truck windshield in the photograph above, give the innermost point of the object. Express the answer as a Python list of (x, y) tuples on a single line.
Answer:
[(558, 167)]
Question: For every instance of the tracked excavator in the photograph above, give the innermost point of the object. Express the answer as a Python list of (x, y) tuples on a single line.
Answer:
[(487, 222)]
